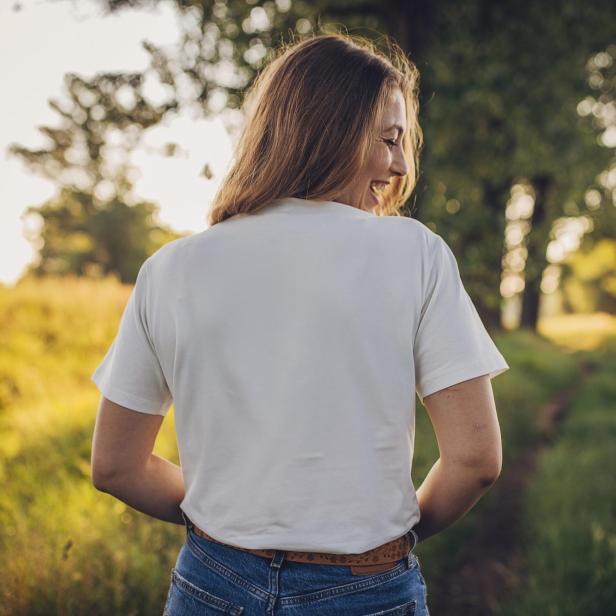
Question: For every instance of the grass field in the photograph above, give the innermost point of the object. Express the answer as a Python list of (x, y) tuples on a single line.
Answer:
[(66, 548)]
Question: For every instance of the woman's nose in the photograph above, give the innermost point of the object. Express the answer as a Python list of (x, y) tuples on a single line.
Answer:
[(399, 165)]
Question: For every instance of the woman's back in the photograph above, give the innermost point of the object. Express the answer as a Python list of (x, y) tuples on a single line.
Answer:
[(286, 340)]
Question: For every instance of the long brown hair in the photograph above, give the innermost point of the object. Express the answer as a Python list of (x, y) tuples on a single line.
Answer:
[(311, 117)]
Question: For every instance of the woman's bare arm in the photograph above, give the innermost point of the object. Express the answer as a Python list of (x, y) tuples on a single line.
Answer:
[(468, 434)]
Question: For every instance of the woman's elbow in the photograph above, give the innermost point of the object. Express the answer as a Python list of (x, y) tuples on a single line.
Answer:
[(489, 478), (486, 466), (490, 470)]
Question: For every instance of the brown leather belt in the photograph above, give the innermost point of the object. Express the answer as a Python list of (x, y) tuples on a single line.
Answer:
[(381, 558)]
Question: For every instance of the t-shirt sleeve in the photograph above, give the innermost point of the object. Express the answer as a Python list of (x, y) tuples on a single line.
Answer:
[(130, 373), (451, 343)]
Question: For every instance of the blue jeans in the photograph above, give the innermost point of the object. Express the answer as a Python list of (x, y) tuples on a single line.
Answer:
[(210, 578)]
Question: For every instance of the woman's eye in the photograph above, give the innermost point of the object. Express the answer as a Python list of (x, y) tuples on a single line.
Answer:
[(391, 143)]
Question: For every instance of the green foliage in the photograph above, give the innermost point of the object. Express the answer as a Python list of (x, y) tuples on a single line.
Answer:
[(502, 86), (86, 238)]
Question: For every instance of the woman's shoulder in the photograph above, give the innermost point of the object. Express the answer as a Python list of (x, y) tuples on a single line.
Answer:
[(409, 229), (172, 253)]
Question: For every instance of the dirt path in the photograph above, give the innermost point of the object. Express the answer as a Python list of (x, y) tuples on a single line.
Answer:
[(489, 571)]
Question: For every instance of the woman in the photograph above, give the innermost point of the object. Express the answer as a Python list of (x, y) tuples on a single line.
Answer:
[(291, 336)]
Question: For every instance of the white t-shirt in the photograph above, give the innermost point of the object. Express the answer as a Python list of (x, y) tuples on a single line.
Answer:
[(291, 343)]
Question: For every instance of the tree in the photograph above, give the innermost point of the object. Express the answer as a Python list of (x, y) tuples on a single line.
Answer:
[(77, 238), (95, 225), (500, 92)]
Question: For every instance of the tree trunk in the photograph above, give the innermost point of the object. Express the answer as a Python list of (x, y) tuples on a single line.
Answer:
[(489, 306), (536, 261)]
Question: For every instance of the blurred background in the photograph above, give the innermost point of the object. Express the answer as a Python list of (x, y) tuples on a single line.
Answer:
[(118, 123)]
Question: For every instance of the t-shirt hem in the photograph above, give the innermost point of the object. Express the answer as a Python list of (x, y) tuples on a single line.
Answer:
[(267, 541)]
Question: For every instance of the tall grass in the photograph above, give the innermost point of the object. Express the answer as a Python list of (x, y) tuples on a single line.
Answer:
[(66, 548)]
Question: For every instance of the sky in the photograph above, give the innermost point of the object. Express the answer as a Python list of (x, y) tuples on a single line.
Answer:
[(42, 42)]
